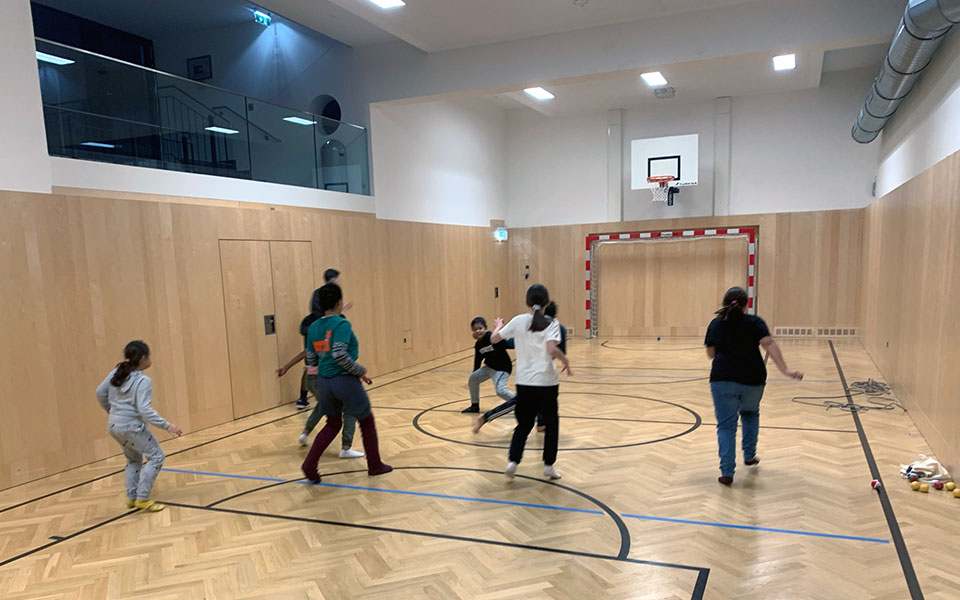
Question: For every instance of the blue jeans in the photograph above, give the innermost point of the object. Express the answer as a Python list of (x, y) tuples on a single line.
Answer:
[(729, 400)]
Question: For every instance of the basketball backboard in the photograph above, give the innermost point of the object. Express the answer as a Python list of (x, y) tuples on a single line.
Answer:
[(675, 155)]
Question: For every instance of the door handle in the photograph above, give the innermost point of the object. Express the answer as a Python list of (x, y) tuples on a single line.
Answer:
[(269, 325)]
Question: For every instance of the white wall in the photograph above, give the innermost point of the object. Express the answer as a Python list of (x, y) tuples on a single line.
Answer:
[(24, 164), (556, 169), (70, 173), (926, 128), (440, 161), (793, 151), (670, 119)]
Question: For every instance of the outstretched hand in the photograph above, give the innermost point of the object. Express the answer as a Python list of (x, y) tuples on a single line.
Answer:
[(366, 380), (497, 323), (794, 375), (174, 429), (281, 371)]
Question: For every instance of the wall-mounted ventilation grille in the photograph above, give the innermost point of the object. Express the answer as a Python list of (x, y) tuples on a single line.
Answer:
[(815, 331)]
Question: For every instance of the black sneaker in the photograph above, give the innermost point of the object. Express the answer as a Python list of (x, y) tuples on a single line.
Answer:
[(303, 403), (474, 408)]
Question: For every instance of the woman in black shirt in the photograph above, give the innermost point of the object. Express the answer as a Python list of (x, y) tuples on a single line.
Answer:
[(738, 376)]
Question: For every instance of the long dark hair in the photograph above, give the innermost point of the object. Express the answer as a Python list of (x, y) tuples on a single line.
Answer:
[(133, 353), (538, 298), (329, 295), (734, 301)]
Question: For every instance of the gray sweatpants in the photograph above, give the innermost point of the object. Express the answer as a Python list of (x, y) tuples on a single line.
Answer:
[(137, 442), (499, 382)]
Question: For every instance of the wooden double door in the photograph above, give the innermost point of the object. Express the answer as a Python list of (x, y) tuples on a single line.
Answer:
[(266, 293)]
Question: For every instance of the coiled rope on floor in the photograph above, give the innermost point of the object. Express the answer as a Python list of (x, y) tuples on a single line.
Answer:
[(877, 393)]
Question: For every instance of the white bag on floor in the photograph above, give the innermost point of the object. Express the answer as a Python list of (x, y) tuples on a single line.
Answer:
[(926, 468)]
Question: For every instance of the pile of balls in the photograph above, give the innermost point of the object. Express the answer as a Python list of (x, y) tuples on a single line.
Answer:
[(923, 488)]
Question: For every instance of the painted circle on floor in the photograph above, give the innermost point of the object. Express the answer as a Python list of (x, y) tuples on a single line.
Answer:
[(688, 422)]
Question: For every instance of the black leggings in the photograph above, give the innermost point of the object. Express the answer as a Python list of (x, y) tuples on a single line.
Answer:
[(532, 399)]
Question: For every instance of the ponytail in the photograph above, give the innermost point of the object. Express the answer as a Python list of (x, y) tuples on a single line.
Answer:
[(133, 353), (538, 298), (734, 303)]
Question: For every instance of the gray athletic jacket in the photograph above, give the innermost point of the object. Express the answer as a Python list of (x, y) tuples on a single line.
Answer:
[(129, 404)]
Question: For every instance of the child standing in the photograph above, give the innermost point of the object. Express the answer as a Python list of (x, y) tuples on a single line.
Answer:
[(126, 395), (536, 337), (335, 380)]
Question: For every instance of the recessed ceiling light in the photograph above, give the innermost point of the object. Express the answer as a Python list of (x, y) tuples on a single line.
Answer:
[(785, 62), (539, 93), (222, 130), (654, 78), (54, 60), (299, 121), (98, 145), (389, 3)]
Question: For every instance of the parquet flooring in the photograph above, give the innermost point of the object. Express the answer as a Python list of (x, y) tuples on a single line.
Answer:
[(638, 513)]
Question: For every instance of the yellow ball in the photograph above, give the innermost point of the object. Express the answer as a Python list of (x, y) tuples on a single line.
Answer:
[(924, 487), (915, 486), (950, 486), (956, 493)]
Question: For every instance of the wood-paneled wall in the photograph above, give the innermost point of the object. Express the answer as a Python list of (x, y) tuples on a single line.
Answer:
[(807, 264), (910, 302), (83, 275)]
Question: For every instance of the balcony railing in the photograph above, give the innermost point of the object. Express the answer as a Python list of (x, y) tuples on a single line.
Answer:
[(99, 108)]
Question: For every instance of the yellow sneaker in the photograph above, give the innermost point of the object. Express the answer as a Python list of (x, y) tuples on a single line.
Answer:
[(130, 502), (149, 505)]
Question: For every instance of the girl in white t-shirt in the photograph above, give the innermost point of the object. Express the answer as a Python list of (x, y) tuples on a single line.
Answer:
[(536, 337)]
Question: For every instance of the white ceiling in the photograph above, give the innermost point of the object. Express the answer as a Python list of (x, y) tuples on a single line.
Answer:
[(694, 82), (435, 25)]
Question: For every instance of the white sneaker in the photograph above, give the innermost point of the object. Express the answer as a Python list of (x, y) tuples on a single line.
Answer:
[(511, 469), (349, 453), (549, 471), (304, 439)]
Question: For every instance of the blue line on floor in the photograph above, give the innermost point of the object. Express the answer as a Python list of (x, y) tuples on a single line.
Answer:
[(753, 528), (546, 506), (388, 491)]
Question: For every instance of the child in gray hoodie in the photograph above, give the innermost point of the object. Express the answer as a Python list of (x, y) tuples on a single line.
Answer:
[(126, 394)]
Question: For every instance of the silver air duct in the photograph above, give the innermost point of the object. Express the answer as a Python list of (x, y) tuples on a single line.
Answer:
[(921, 30)]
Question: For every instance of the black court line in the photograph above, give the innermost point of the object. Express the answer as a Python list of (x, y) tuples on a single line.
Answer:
[(624, 419), (605, 345), (622, 528), (699, 587), (913, 584), (570, 381), (59, 540), (697, 421), (221, 438), (701, 369)]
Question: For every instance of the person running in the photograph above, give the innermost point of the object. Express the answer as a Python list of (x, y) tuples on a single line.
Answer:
[(738, 376), (536, 337), (126, 394), (337, 383)]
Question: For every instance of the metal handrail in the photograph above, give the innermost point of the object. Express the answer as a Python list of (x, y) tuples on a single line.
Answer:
[(191, 81)]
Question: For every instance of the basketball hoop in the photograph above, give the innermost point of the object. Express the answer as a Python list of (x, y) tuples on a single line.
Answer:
[(661, 193)]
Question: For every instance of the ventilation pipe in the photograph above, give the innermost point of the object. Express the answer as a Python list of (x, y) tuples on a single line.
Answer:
[(924, 24)]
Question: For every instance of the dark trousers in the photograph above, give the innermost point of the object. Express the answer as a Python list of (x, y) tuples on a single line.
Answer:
[(532, 399)]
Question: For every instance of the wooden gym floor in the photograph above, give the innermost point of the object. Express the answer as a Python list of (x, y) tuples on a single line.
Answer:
[(638, 513)]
